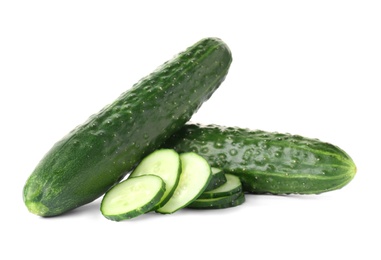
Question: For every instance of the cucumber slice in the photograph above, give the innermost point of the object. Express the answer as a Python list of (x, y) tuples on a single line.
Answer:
[(233, 185), (218, 178), (132, 197), (194, 178), (219, 203), (164, 163)]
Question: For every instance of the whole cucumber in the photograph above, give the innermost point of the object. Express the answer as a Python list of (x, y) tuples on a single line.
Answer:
[(268, 162), (99, 153)]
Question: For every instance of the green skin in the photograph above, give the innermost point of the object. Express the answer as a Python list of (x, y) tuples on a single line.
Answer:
[(99, 153), (233, 185), (219, 203), (268, 162), (216, 181)]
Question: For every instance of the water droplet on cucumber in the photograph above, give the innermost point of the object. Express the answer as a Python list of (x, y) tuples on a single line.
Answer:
[(233, 152)]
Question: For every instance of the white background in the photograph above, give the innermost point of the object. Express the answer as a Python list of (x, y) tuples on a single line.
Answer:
[(303, 67)]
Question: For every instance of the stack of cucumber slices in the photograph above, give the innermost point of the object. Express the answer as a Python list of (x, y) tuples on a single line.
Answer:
[(166, 181)]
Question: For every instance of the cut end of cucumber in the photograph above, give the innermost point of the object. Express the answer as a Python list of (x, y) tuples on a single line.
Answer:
[(37, 208), (352, 171), (31, 194), (132, 197)]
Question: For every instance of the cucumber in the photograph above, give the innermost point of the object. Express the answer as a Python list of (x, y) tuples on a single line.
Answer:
[(268, 162), (99, 153), (218, 178), (164, 163), (194, 178), (228, 201), (232, 186), (132, 197)]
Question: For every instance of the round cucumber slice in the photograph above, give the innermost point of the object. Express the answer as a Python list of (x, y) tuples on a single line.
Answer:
[(218, 178), (219, 203), (232, 185), (194, 178), (132, 197), (164, 163)]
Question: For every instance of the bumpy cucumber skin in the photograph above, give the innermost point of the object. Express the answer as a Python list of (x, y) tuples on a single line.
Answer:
[(99, 153), (267, 162)]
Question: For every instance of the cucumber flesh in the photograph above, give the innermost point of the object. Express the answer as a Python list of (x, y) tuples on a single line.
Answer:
[(194, 178), (219, 203), (232, 186), (132, 197), (164, 163), (218, 178)]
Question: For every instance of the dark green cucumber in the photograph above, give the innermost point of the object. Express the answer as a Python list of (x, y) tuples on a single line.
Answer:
[(268, 162), (99, 153)]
